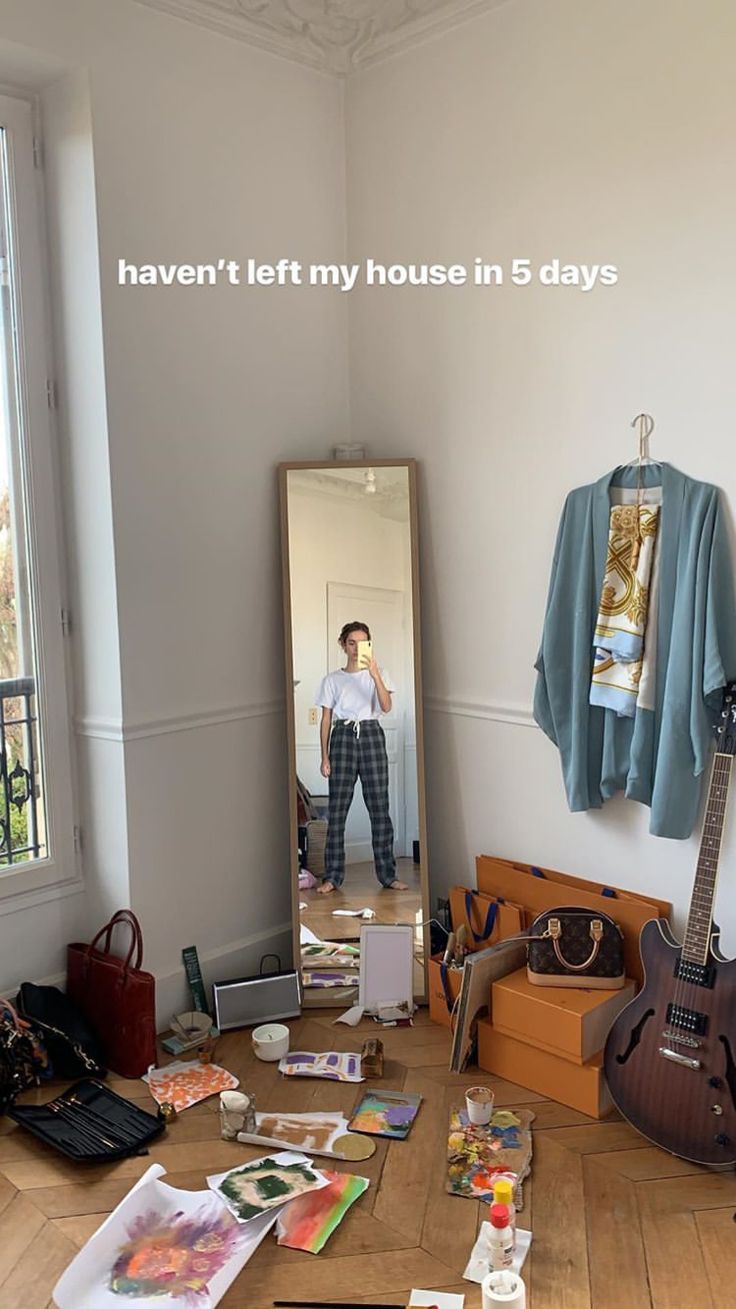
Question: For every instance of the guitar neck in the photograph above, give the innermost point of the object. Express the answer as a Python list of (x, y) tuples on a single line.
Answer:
[(696, 944)]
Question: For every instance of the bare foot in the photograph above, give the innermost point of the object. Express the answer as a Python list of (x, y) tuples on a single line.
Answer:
[(326, 888), (397, 886)]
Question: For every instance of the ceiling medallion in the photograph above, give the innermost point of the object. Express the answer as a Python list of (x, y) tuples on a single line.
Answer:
[(337, 35)]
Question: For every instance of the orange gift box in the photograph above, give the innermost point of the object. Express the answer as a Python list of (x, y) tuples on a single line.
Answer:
[(560, 1020), (439, 1010), (581, 1086)]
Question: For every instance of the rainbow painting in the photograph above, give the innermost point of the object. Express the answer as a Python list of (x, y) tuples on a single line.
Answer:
[(308, 1222), (174, 1256)]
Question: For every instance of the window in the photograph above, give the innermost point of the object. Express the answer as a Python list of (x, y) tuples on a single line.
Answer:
[(37, 856)]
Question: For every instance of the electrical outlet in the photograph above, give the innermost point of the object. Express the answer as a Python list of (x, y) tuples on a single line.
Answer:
[(313, 717)]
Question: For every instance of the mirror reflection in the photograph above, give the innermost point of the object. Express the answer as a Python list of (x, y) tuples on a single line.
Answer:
[(353, 654)]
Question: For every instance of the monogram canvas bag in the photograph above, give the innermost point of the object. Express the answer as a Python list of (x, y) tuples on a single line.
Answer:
[(576, 947)]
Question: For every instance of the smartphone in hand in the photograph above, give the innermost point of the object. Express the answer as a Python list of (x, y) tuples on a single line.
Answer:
[(365, 653)]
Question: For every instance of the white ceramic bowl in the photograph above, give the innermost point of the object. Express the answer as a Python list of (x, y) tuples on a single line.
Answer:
[(270, 1041)]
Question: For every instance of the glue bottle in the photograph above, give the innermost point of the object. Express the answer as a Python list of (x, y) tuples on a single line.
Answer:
[(501, 1239), (503, 1193)]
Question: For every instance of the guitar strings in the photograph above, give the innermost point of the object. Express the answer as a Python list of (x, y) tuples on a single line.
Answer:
[(698, 931)]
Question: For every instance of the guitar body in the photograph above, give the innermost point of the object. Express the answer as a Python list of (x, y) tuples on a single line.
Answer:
[(683, 1100)]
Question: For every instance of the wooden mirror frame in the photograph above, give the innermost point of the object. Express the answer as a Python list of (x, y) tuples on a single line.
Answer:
[(332, 464)]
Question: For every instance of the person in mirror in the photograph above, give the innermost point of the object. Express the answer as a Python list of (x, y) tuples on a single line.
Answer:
[(353, 746)]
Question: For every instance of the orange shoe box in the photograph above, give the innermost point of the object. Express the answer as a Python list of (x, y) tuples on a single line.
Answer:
[(581, 1086), (439, 1011), (560, 1020)]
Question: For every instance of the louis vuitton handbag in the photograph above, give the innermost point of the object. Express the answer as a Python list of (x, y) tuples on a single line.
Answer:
[(576, 947)]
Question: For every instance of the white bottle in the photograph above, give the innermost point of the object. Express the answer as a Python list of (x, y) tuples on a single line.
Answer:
[(503, 1193), (500, 1239)]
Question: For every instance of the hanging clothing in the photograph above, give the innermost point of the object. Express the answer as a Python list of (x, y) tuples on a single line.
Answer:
[(358, 750), (657, 756)]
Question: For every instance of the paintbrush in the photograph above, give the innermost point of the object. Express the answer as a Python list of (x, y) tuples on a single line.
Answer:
[(334, 1304)]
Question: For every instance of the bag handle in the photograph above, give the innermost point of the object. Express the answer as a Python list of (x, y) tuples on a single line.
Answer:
[(554, 930), (19, 1023), (122, 916), (490, 916)]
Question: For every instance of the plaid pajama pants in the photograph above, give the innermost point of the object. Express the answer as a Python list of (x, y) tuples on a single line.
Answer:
[(358, 750)]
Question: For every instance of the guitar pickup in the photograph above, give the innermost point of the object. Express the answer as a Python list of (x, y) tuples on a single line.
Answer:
[(696, 974), (688, 1021)]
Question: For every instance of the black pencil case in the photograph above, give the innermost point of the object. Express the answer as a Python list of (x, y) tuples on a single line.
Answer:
[(90, 1123)]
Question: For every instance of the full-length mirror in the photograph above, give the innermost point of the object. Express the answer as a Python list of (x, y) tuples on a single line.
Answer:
[(356, 810)]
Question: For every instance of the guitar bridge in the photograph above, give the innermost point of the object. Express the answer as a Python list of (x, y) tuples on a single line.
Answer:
[(676, 1058), (680, 1039)]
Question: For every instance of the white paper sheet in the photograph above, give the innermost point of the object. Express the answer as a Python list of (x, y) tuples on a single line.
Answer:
[(313, 1126), (440, 1298), (478, 1265), (307, 936), (86, 1282), (281, 1158)]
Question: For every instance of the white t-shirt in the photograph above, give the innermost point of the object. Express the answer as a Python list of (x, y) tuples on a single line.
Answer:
[(352, 696)]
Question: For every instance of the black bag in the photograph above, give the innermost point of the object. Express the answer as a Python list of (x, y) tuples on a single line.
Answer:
[(73, 1048), (576, 947), (18, 1068)]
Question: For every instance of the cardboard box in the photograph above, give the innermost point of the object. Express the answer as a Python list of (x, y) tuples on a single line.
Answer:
[(581, 1086), (439, 997), (562, 1020)]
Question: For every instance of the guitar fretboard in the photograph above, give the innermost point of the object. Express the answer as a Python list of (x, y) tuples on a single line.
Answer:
[(697, 934)]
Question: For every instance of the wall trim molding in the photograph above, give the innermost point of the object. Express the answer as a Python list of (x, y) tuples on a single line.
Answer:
[(176, 976), (114, 729), (517, 715)]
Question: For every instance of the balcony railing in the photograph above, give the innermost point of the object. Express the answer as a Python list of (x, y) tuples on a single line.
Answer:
[(20, 837)]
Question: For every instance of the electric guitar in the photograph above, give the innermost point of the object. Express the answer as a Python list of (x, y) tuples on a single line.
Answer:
[(670, 1057)]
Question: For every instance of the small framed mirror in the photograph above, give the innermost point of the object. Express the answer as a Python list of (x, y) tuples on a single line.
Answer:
[(357, 814)]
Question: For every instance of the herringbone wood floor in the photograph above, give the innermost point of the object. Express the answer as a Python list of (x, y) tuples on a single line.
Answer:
[(617, 1224)]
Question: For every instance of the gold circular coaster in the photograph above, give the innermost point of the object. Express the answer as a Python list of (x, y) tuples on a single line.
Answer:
[(353, 1146)]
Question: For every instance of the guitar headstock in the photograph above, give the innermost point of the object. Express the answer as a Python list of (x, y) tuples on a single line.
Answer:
[(726, 729)]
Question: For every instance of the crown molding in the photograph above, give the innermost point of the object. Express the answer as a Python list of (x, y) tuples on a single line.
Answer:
[(335, 36)]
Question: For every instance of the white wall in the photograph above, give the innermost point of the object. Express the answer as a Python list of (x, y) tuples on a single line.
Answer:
[(594, 133), (188, 147)]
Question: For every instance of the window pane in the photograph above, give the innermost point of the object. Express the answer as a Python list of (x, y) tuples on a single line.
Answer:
[(22, 811)]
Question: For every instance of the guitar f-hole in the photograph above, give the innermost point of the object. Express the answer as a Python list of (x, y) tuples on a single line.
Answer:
[(635, 1037), (730, 1068)]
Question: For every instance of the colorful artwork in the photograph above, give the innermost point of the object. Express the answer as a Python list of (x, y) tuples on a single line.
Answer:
[(336, 1067), (159, 1242), (252, 1189), (330, 954), (185, 1082), (386, 1113), (478, 1156), (331, 977), (308, 1223), (176, 1256)]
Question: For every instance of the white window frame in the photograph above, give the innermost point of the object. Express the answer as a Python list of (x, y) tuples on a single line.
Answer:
[(59, 872)]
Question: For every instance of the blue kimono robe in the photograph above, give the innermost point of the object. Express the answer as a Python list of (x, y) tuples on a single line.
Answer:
[(658, 756)]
